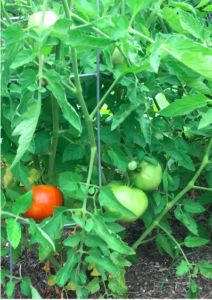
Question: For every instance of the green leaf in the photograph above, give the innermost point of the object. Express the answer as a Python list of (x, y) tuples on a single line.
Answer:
[(13, 37), (193, 26), (94, 241), (208, 8), (23, 58), (3, 200), (93, 286), (184, 106), (192, 206), (41, 236), (23, 203), (197, 85), (26, 287), (134, 94), (73, 152), (64, 273), (102, 260), (182, 268), (110, 137), (199, 63), (183, 6), (205, 268), (22, 174), (172, 17), (42, 143), (89, 7), (118, 159), (156, 55), (56, 88), (206, 119), (145, 124), (35, 294), (137, 5), (78, 220), (13, 232), (202, 3), (193, 291), (124, 111), (194, 241), (107, 198), (72, 241), (113, 240), (78, 40), (10, 289), (5, 251), (165, 244), (68, 181), (26, 129)]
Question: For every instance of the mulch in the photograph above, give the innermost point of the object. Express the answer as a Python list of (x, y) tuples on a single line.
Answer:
[(147, 279)]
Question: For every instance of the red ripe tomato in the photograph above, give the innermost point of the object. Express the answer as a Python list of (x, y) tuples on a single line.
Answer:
[(45, 197)]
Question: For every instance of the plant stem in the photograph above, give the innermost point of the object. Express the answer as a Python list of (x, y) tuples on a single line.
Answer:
[(111, 174), (178, 197), (131, 30), (3, 11), (26, 244), (178, 245), (55, 117), (70, 5), (202, 188), (101, 102), (152, 15), (36, 161), (163, 26), (123, 7), (3, 24)]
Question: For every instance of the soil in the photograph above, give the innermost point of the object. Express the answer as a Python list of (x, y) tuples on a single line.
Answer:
[(152, 277)]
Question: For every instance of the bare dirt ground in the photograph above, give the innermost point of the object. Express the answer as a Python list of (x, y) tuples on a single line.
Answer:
[(147, 279)]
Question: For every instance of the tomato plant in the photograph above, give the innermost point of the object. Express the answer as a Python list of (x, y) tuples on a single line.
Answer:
[(133, 199), (155, 82), (45, 199), (148, 178)]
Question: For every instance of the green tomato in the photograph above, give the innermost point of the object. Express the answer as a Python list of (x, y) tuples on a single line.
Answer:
[(132, 198), (149, 178), (34, 20), (132, 165), (108, 121), (117, 58)]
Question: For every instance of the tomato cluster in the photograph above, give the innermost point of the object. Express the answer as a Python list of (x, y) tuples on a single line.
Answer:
[(145, 178)]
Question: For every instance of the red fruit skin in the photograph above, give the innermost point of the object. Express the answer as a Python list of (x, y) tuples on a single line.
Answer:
[(45, 197)]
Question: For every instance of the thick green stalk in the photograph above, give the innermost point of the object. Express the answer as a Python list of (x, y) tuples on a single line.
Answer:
[(55, 117), (163, 26), (131, 30), (178, 197), (70, 4), (3, 24), (5, 14), (17, 5), (123, 7), (36, 161), (153, 13)]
